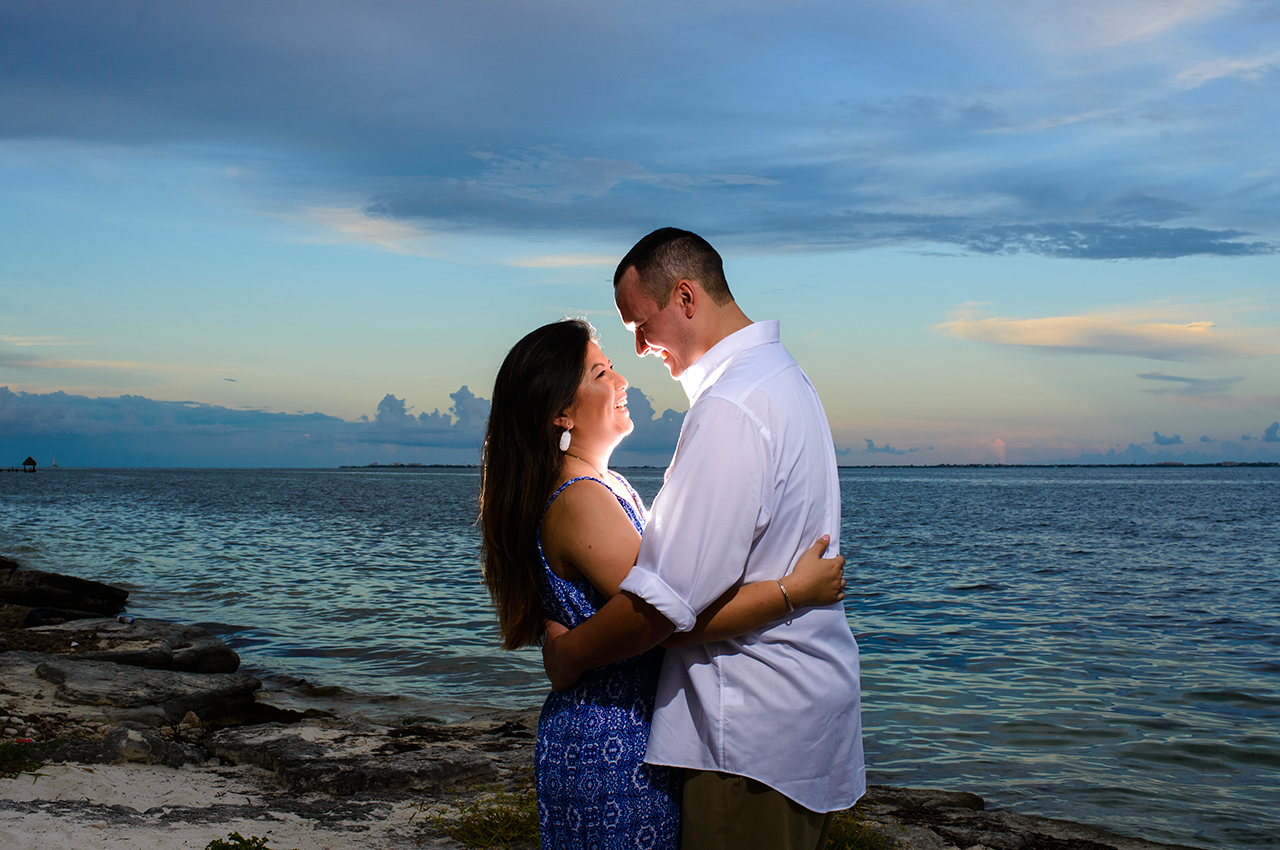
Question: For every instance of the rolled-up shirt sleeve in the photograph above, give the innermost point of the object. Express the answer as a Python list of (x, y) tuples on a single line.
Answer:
[(707, 516)]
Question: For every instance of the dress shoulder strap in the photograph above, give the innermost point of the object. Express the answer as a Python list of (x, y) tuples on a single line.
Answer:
[(636, 519), (560, 489)]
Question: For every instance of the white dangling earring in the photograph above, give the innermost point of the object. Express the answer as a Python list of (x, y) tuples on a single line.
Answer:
[(564, 440)]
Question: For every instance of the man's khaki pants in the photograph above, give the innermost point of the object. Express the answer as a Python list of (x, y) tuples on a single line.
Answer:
[(722, 811)]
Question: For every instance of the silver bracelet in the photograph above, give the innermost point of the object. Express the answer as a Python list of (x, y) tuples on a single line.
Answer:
[(786, 596)]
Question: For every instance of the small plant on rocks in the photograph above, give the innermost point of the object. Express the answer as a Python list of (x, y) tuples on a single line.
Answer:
[(498, 820), (236, 841), (850, 832), (17, 759)]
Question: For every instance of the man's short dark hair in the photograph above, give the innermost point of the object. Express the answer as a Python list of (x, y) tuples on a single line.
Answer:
[(669, 255)]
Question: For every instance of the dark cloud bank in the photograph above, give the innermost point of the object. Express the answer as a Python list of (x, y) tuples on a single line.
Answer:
[(138, 431), (522, 119)]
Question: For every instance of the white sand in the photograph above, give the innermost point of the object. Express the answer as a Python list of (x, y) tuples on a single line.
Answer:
[(73, 810)]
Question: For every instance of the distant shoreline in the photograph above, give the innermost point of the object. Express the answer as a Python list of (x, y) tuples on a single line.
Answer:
[(419, 467), (1226, 464)]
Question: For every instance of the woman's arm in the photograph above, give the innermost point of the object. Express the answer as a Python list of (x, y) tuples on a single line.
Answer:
[(814, 581), (586, 533)]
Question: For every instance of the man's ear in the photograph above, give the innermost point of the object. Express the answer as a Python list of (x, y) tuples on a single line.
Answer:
[(686, 295)]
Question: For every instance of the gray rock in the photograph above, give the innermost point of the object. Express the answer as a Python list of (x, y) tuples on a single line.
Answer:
[(893, 798), (37, 617), (155, 644), (170, 693), (37, 589), (89, 692), (141, 746), (339, 759), (924, 819), (919, 838)]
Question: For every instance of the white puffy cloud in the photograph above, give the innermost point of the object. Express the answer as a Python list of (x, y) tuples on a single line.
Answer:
[(1130, 333)]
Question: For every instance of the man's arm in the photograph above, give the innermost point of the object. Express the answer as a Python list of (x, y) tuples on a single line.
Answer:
[(625, 626)]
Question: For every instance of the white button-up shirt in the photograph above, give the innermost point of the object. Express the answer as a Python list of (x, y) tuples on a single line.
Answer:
[(752, 485)]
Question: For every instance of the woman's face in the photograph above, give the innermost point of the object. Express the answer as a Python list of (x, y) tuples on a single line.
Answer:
[(599, 413)]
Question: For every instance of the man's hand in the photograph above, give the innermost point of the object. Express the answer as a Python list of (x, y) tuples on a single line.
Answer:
[(557, 668)]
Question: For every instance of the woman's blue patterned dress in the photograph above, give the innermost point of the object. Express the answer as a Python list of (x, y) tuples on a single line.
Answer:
[(594, 789)]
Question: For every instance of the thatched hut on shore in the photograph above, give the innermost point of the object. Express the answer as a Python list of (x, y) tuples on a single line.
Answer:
[(29, 465)]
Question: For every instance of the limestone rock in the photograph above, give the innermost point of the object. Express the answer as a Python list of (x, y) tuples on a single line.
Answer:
[(98, 691), (925, 819), (340, 759), (139, 746), (892, 798), (38, 589), (155, 644), (36, 617)]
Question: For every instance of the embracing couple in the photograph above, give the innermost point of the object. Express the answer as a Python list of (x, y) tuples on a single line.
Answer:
[(705, 679)]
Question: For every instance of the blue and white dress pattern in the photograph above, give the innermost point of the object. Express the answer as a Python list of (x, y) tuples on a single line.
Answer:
[(594, 789)]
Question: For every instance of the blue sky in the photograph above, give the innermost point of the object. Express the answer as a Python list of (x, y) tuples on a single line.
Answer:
[(1018, 231)]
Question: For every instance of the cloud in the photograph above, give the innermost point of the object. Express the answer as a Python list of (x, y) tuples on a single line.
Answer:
[(347, 225), (1272, 434), (22, 341), (618, 201), (654, 434), (134, 430), (1226, 451), (1166, 441), (1214, 69), (15, 360), (885, 449), (462, 427), (1138, 205), (1205, 439), (137, 430), (1247, 437), (1106, 24), (1190, 386), (563, 261), (1055, 121), (1130, 334), (522, 120), (1101, 241)]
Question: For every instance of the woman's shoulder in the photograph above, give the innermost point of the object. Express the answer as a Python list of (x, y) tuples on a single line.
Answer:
[(585, 499), (578, 492)]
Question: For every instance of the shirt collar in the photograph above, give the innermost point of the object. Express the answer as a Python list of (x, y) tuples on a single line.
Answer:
[(704, 371)]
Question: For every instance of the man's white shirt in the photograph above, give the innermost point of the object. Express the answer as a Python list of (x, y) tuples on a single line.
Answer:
[(752, 485)]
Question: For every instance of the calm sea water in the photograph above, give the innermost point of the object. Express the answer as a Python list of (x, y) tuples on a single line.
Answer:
[(1096, 644)]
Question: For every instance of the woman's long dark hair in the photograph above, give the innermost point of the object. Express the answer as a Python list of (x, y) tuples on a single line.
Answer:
[(520, 465)]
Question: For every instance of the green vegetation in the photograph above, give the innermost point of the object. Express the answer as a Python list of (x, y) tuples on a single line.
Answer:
[(503, 820), (508, 820), (850, 832), (236, 841), (17, 759)]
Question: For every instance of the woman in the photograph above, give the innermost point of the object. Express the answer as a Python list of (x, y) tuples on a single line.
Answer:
[(560, 533)]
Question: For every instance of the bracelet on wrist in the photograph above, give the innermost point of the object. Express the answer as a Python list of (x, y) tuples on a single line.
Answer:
[(786, 597)]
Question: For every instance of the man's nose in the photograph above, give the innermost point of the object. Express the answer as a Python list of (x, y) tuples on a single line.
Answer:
[(642, 347)]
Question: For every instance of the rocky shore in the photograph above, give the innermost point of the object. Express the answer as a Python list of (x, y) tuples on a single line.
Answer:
[(142, 733)]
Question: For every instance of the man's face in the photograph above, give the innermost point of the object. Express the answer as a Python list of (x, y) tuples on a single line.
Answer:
[(666, 332)]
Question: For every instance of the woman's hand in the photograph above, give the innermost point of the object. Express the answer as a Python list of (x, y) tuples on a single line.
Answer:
[(816, 580), (558, 672)]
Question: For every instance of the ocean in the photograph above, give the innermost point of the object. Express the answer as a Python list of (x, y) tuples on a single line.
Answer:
[(1097, 644)]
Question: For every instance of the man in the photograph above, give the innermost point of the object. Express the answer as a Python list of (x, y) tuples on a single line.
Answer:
[(768, 725)]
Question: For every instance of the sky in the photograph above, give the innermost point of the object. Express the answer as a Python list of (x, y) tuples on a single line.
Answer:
[(306, 233)]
